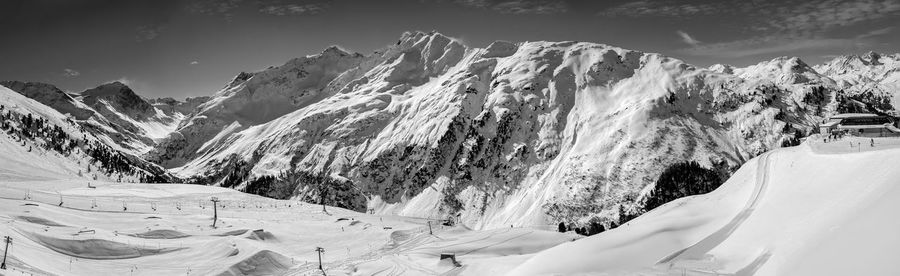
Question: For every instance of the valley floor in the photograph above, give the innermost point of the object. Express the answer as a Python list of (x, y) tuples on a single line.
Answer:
[(165, 229)]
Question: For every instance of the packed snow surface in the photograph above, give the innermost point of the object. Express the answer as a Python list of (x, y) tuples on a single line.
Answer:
[(817, 209), (62, 225)]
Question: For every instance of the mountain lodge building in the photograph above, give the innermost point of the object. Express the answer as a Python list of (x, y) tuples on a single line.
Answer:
[(860, 124)]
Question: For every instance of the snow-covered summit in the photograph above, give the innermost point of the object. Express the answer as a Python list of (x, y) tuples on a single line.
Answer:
[(875, 74), (50, 96), (515, 133), (255, 98), (112, 111)]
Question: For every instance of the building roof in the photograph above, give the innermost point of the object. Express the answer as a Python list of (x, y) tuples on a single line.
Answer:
[(829, 124), (861, 126), (854, 115)]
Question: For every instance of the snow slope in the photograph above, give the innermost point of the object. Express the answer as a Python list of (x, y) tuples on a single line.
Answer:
[(528, 133), (28, 156), (113, 112), (255, 98), (872, 73), (519, 134), (22, 163), (817, 209), (165, 229)]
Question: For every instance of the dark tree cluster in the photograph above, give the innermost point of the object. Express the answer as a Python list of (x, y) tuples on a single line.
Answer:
[(816, 97), (866, 102), (794, 139), (48, 136), (319, 187), (681, 180), (592, 228)]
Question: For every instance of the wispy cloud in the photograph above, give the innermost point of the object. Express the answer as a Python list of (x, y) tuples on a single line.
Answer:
[(70, 73), (227, 8), (293, 8), (686, 38), (874, 33), (767, 45), (195, 62), (518, 6), (772, 26), (147, 32), (531, 7), (214, 7), (813, 17), (664, 8)]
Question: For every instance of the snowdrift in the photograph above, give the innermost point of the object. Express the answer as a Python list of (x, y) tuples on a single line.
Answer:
[(817, 209)]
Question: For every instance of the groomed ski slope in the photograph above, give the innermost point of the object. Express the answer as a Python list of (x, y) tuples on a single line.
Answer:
[(165, 229), (817, 209)]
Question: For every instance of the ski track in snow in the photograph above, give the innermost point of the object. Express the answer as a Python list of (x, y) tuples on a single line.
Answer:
[(699, 249)]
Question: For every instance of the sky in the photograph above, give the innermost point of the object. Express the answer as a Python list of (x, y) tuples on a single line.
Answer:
[(187, 48)]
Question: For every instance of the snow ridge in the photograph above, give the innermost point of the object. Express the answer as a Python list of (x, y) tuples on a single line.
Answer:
[(513, 134)]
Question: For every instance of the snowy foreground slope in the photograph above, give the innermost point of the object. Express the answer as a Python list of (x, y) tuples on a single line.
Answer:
[(529, 133), (817, 209), (165, 229)]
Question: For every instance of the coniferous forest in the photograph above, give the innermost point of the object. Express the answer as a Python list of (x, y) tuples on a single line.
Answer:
[(34, 132)]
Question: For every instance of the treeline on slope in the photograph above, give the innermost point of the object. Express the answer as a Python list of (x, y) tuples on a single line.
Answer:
[(690, 178), (306, 186), (792, 140), (676, 181), (865, 102), (52, 137)]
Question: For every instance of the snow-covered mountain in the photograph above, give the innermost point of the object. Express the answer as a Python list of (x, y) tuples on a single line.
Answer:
[(255, 98), (511, 134), (872, 80), (529, 133), (113, 112), (37, 141)]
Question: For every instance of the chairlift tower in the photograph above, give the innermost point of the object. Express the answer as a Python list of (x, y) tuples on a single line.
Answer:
[(320, 251), (215, 201)]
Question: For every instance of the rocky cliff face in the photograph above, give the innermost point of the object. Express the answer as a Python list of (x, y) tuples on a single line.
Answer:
[(514, 133)]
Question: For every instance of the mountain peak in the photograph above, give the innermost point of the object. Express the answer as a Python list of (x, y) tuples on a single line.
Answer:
[(335, 50), (116, 83), (118, 95), (115, 88), (873, 56)]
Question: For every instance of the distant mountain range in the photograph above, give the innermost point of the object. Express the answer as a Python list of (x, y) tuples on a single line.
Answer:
[(528, 133)]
